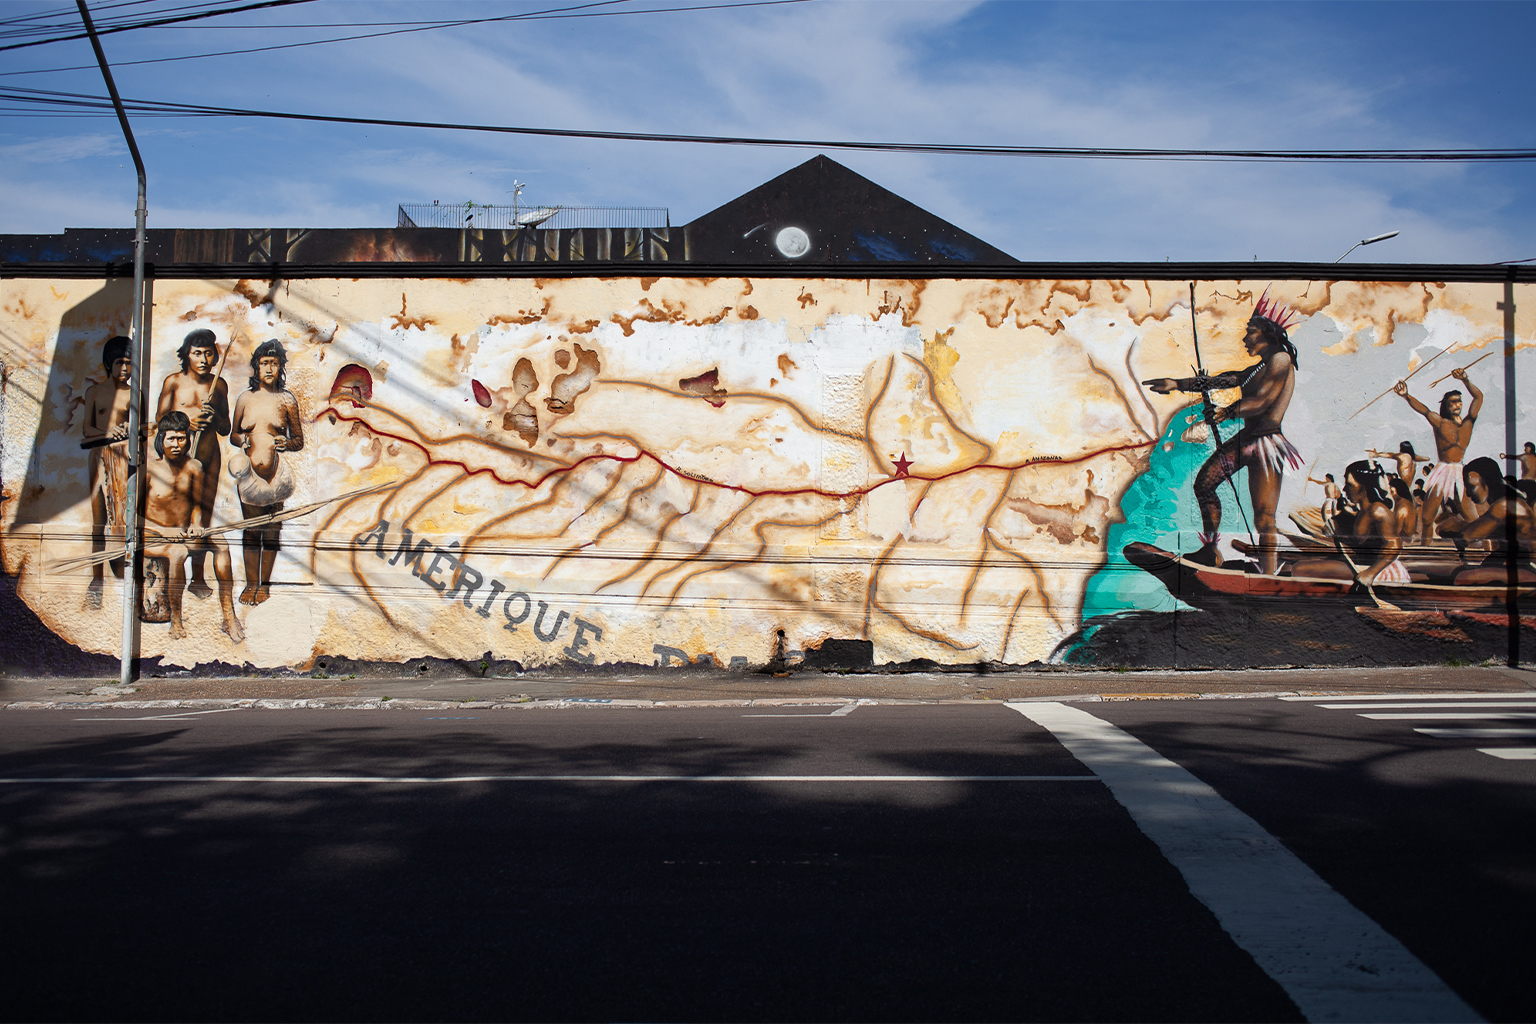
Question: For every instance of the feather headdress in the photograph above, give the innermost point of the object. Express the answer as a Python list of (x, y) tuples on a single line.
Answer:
[(1275, 312)]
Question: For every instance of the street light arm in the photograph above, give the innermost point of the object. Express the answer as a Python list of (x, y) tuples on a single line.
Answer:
[(132, 524), (1367, 241)]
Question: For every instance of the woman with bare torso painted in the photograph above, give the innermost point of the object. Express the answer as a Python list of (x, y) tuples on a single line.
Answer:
[(265, 425)]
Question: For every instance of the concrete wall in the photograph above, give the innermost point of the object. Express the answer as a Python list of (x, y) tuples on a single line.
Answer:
[(657, 471)]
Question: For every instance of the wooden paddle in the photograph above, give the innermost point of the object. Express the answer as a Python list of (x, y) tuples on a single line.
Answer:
[(1386, 606)]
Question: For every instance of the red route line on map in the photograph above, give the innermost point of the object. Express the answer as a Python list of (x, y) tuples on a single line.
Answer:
[(794, 492)]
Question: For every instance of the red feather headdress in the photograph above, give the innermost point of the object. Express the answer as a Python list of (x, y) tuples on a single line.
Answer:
[(1276, 313)]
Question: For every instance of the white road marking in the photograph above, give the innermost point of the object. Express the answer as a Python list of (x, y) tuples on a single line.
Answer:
[(1510, 753), (417, 780), (1444, 705), (1334, 962), (158, 718), (846, 709), (1476, 734), (1409, 696), (1409, 716)]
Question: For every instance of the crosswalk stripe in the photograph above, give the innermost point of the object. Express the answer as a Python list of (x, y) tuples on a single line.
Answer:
[(1488, 734), (1413, 715), (1443, 705), (424, 780), (1334, 962), (1409, 696), (1510, 753)]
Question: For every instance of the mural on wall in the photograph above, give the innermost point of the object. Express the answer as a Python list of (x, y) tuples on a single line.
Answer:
[(734, 471)]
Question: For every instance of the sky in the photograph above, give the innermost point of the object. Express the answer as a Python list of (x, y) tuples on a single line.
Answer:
[(1187, 75)]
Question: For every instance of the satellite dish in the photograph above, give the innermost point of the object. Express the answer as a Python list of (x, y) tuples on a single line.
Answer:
[(536, 216)]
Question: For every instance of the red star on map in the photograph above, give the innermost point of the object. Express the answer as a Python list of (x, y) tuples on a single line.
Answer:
[(902, 464)]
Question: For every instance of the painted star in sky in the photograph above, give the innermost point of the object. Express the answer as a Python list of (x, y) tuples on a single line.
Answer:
[(902, 464)]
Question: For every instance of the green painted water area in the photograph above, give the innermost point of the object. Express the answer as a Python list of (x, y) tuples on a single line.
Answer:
[(1160, 509)]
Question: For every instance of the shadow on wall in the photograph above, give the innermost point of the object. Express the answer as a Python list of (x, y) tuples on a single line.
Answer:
[(56, 484), (58, 473)]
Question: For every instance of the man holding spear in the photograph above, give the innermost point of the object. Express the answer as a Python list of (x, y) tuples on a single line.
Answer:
[(1453, 435), (1259, 446), (201, 394)]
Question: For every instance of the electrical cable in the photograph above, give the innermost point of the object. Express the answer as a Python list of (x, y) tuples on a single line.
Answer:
[(71, 15), (150, 23), (150, 19), (48, 97), (440, 23), (554, 14)]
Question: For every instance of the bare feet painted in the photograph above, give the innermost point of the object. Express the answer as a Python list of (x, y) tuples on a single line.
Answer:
[(248, 595), (199, 588), (232, 627)]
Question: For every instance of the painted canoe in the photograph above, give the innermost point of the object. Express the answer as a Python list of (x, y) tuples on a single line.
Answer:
[(1205, 587)]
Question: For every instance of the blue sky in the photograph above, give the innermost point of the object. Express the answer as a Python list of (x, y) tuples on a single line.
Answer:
[(1277, 76)]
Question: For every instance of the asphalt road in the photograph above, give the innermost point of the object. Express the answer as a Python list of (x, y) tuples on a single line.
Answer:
[(915, 862)]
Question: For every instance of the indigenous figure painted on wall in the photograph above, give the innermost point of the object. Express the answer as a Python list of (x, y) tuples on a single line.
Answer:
[(174, 486), (1259, 446), (266, 425), (1370, 532), (105, 435), (1453, 435), (1503, 506), (201, 394)]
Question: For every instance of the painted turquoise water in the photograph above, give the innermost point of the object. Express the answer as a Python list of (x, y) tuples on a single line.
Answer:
[(1160, 509)]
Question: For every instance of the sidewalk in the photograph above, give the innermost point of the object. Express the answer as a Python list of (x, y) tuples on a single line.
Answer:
[(684, 686)]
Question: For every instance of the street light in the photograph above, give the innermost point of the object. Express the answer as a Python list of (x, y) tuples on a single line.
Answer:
[(132, 520), (1366, 241)]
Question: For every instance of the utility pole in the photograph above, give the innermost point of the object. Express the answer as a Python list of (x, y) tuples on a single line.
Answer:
[(1511, 447), (132, 526)]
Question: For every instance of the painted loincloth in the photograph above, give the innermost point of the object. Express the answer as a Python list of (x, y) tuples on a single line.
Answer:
[(114, 481), (1445, 481), (1271, 450)]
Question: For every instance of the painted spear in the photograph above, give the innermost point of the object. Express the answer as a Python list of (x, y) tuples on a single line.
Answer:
[(1203, 380)]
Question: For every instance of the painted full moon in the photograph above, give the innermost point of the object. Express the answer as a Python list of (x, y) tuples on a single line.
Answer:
[(793, 242)]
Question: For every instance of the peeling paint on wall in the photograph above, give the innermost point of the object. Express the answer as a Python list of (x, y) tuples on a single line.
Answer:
[(675, 470)]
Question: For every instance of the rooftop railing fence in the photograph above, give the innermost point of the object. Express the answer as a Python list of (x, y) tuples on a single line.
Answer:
[(550, 217)]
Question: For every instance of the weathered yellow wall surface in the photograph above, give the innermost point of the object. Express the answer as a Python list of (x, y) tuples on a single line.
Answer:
[(641, 470)]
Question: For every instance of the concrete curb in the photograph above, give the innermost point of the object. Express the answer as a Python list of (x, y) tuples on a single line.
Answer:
[(413, 704)]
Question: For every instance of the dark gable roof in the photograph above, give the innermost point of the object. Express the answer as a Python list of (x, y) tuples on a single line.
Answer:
[(817, 214), (844, 217)]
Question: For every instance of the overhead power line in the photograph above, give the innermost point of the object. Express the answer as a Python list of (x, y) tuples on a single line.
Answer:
[(70, 13), (71, 16), (553, 14), (151, 22), (46, 98)]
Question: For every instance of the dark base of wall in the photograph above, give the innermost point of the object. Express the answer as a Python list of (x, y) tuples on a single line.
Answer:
[(1239, 638), (1268, 637)]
